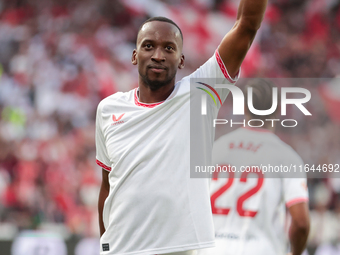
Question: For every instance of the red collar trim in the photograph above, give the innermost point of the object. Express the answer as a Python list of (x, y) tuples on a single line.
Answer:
[(144, 104)]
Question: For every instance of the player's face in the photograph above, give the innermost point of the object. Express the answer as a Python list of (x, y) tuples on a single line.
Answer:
[(158, 54)]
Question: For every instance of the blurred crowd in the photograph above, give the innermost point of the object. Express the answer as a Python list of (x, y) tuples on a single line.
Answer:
[(58, 59)]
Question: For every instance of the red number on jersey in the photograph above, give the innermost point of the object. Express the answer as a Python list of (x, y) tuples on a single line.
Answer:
[(219, 192), (248, 194), (241, 211)]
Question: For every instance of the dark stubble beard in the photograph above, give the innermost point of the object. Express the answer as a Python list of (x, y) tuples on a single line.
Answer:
[(154, 85)]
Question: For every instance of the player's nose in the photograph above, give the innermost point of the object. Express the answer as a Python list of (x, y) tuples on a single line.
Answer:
[(158, 55)]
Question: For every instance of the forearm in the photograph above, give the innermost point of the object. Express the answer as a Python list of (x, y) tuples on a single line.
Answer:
[(102, 197), (298, 238), (237, 42), (250, 13)]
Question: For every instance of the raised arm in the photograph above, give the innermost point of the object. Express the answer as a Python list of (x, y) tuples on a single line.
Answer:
[(299, 228), (237, 42), (103, 193)]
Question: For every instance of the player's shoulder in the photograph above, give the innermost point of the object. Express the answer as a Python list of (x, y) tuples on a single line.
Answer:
[(205, 70), (288, 151), (212, 71), (269, 141), (283, 150), (116, 99)]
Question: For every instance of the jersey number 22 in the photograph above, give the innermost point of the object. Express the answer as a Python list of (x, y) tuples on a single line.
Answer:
[(241, 211)]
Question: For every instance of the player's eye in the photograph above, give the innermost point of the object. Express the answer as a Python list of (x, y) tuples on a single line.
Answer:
[(148, 46), (169, 48)]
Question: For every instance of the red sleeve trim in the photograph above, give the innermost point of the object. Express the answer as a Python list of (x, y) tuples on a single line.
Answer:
[(103, 165), (224, 69), (296, 201), (144, 104)]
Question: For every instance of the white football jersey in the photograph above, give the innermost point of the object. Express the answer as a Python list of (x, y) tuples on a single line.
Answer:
[(31, 242), (153, 205), (248, 208)]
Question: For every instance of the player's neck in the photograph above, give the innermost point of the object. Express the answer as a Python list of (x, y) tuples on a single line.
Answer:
[(148, 95)]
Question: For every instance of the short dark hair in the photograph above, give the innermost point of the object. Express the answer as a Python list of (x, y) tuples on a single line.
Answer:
[(262, 95), (162, 19)]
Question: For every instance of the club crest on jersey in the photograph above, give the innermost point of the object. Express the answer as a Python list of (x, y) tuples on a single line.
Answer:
[(118, 120)]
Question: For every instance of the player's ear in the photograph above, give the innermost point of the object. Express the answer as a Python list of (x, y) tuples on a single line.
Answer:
[(134, 57), (181, 62)]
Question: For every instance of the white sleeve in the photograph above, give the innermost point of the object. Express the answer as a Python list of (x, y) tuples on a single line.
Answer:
[(102, 158), (295, 189), (214, 68)]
